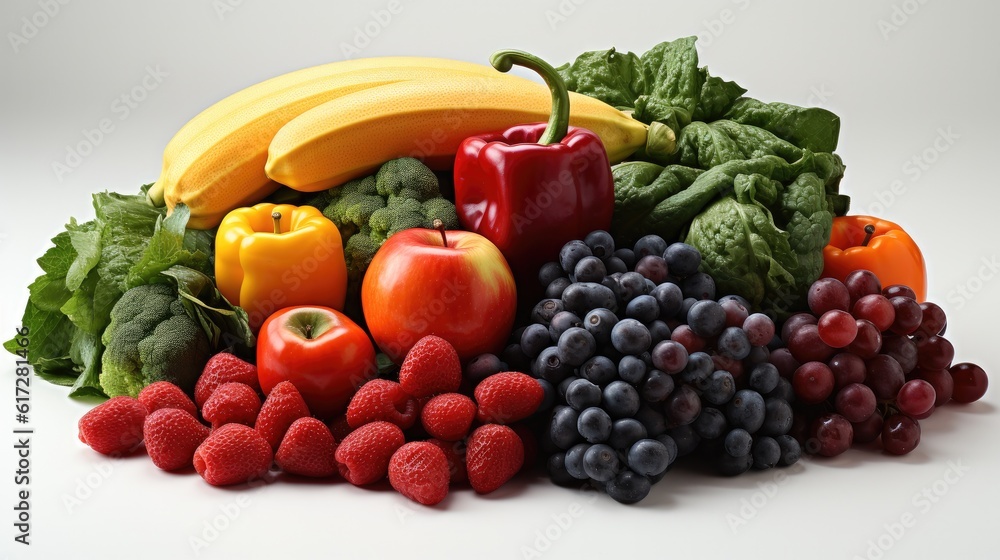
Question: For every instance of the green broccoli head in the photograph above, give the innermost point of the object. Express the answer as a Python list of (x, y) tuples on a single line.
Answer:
[(151, 338), (399, 214), (440, 209), (410, 174), (359, 252)]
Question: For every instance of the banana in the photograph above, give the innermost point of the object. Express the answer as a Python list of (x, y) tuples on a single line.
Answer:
[(216, 161), (352, 135)]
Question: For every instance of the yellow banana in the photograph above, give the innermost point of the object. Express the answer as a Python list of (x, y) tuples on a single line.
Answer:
[(352, 135), (216, 161)]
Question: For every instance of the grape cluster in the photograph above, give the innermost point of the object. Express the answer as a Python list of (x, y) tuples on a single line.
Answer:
[(644, 365), (868, 363)]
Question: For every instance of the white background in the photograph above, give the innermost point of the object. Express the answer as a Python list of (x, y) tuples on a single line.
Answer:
[(902, 75)]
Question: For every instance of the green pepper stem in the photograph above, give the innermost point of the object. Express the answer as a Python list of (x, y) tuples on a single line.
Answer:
[(869, 231), (559, 118), (276, 216)]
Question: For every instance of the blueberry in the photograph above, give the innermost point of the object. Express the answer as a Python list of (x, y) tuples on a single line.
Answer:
[(733, 343), (629, 336), (649, 245), (686, 305), (581, 394), (643, 308), (594, 425), (574, 461), (601, 244), (563, 386), (719, 388), (629, 487), (625, 432), (584, 296), (669, 298), (544, 310), (576, 346), (589, 269), (707, 318), (791, 451), (758, 355), (738, 442), (711, 423), (548, 394), (556, 467), (683, 259), (632, 284), (571, 253), (652, 419), (515, 358), (732, 466), (534, 339), (699, 286), (657, 387), (631, 369), (556, 288), (684, 437), (698, 369), (615, 264), (763, 378), (599, 370), (600, 462), (482, 366), (562, 428), (777, 417), (783, 390), (746, 410), (599, 323), (766, 453), (562, 322), (550, 367), (549, 272), (627, 256), (620, 399), (671, 446), (658, 331), (648, 457), (737, 298)]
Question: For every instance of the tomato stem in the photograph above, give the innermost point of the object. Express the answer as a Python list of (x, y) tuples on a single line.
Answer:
[(869, 231), (309, 331), (276, 216), (439, 225)]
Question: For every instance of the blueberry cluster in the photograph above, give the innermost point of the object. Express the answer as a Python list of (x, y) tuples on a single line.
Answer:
[(642, 365)]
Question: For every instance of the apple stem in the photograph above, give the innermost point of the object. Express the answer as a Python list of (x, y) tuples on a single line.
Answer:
[(276, 216), (309, 332), (439, 225), (869, 231)]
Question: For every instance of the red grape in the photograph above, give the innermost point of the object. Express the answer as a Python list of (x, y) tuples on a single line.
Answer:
[(652, 267), (759, 329), (669, 356), (807, 346), (868, 341), (884, 376), (795, 322), (735, 367), (933, 320), (915, 397), (847, 368), (900, 434), (833, 433), (942, 382), (902, 349), (736, 314), (827, 294), (970, 382), (837, 328), (908, 315), (935, 352), (856, 402), (861, 283), (899, 290), (876, 309), (782, 359), (869, 430), (813, 382), (690, 341)]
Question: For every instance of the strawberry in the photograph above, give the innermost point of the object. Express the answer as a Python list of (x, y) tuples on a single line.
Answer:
[(223, 368), (448, 416), (431, 367), (454, 451), (282, 407), (419, 471), (233, 454), (363, 456), (113, 427), (172, 435), (494, 455), (164, 394), (231, 403), (307, 449), (380, 399), (507, 397)]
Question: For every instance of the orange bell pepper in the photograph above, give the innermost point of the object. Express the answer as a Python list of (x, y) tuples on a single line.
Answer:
[(270, 256), (865, 242)]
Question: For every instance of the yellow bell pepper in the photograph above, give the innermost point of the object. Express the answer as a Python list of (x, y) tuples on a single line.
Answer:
[(272, 256)]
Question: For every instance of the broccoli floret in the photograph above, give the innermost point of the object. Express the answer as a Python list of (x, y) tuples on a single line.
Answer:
[(399, 214), (358, 252), (441, 209), (410, 174), (151, 338)]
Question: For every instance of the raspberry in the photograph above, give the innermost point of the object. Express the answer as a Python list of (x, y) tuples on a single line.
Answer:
[(419, 471), (307, 449), (380, 399), (282, 407), (339, 427), (448, 416), (172, 435), (231, 403), (507, 397), (454, 451), (113, 427), (493, 457), (431, 367), (223, 368), (233, 454), (363, 456), (164, 394)]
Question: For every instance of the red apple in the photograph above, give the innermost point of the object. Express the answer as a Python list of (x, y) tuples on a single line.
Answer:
[(453, 284), (322, 352)]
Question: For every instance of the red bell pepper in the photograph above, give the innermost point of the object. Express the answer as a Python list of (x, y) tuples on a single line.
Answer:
[(533, 187)]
